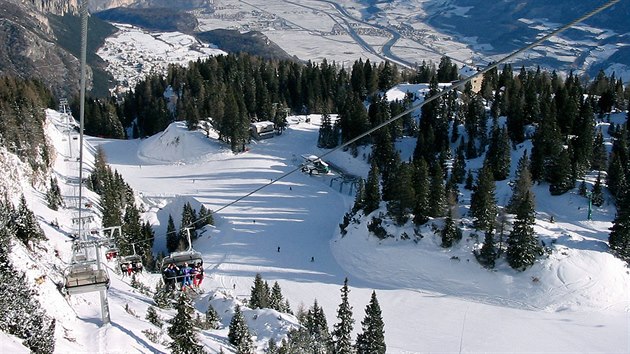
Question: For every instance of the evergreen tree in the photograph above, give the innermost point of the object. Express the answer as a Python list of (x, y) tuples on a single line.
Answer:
[(469, 180), (172, 236), (205, 217), (487, 254), (189, 218), (153, 317), (437, 200), (27, 228), (499, 154), (53, 195), (276, 300), (343, 329), (402, 195), (372, 339), (162, 296), (372, 190), (458, 173), (131, 230), (483, 205), (259, 295), (238, 333), (560, 176), (421, 210), (619, 239), (522, 244), (449, 232), (616, 178), (359, 198), (522, 184), (182, 331), (327, 138), (600, 156), (316, 326), (597, 195), (212, 318), (22, 315)]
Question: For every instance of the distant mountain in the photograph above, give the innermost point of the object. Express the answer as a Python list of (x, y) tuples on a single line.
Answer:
[(155, 19), (41, 40), (252, 42), (503, 26)]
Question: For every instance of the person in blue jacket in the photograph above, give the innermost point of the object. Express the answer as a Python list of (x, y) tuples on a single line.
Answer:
[(186, 271)]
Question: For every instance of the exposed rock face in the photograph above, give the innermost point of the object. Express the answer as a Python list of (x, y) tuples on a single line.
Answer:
[(100, 5), (28, 47), (57, 7)]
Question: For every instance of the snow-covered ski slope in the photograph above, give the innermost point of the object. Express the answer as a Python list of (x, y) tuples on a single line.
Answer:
[(431, 301), (576, 300)]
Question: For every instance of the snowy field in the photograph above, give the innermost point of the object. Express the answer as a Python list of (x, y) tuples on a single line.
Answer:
[(133, 53), (431, 301)]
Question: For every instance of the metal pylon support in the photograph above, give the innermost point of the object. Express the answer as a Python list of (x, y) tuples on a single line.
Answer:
[(83, 10), (103, 293)]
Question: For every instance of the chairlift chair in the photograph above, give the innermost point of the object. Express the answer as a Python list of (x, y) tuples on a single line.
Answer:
[(85, 277), (189, 256), (134, 260), (111, 253)]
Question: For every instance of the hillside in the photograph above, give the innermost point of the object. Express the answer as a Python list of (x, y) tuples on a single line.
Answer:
[(425, 292)]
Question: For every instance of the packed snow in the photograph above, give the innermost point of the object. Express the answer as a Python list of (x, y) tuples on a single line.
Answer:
[(433, 299)]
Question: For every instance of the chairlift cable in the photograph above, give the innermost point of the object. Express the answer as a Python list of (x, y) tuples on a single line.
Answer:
[(434, 97), (414, 107)]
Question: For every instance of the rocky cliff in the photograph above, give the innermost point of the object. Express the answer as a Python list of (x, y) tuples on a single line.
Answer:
[(40, 39), (28, 47)]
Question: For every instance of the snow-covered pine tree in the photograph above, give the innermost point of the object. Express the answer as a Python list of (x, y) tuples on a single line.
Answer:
[(53, 195), (522, 184), (317, 327), (27, 228), (172, 237), (468, 183), (212, 318), (276, 300), (421, 186), (182, 331), (499, 154), (153, 317), (560, 174), (238, 333), (600, 155), (372, 339), (597, 194), (343, 329), (359, 198), (206, 217), (522, 244), (487, 254), (402, 195), (372, 190), (437, 196), (327, 138), (189, 216), (483, 205), (449, 232), (259, 294), (619, 238), (162, 296), (21, 314)]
